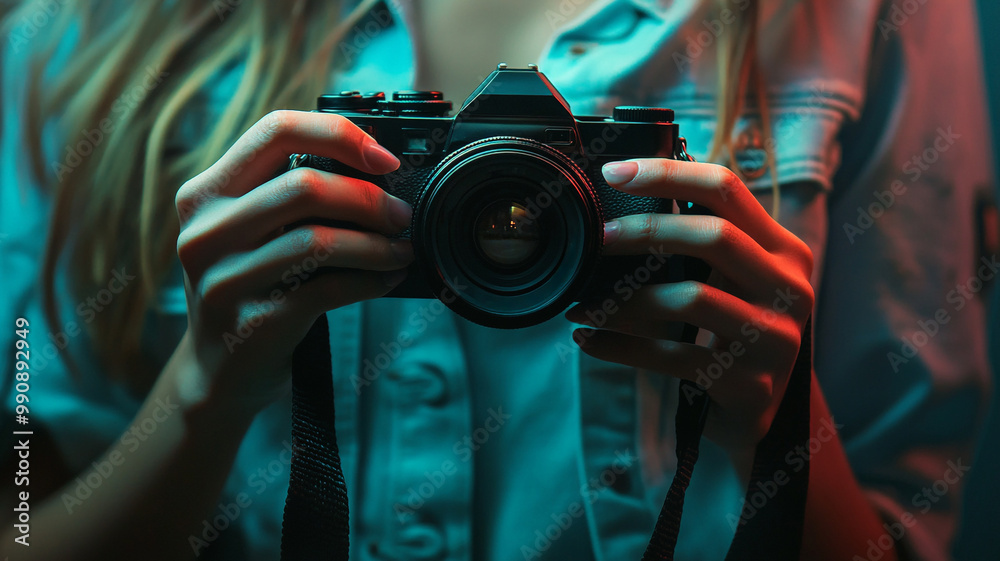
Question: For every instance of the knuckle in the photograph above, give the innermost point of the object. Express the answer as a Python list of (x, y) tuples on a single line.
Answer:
[(760, 389), (274, 126), (721, 233), (339, 125), (728, 181), (805, 256), (187, 199), (371, 199), (649, 227), (182, 198), (190, 247), (302, 239), (312, 239), (305, 185), (807, 298), (658, 170), (797, 287), (689, 297), (800, 288), (788, 337)]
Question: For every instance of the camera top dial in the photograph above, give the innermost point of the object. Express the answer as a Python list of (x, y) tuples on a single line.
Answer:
[(350, 101)]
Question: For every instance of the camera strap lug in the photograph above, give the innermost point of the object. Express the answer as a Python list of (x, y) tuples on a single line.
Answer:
[(682, 154), (297, 161)]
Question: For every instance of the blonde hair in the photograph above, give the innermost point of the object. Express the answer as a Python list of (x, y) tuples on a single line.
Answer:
[(118, 201), (740, 78)]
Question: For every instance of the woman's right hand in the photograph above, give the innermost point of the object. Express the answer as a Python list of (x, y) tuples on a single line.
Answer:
[(254, 287)]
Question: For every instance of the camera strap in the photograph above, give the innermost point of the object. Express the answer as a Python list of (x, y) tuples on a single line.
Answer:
[(316, 523), (770, 525), (316, 517)]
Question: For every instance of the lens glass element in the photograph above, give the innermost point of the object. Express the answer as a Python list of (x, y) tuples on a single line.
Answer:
[(506, 235), (511, 228)]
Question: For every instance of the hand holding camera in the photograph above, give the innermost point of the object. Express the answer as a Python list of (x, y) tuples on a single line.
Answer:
[(754, 305), (510, 200), (251, 279)]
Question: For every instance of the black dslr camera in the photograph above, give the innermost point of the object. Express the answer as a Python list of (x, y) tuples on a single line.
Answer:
[(509, 203)]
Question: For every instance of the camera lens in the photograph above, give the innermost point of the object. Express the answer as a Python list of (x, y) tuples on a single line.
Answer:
[(509, 230), (507, 235)]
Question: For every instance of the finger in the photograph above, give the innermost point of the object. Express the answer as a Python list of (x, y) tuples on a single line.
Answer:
[(712, 186), (297, 195), (726, 381), (336, 289), (287, 316), (291, 259), (721, 244), (310, 193), (650, 311), (265, 148), (681, 360)]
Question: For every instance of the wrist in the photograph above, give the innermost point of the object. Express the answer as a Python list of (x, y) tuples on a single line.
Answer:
[(200, 397)]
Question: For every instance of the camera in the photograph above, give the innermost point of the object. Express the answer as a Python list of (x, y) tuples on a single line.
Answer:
[(509, 202)]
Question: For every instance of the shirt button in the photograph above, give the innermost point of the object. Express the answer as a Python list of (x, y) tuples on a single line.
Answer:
[(421, 385), (750, 157), (422, 542)]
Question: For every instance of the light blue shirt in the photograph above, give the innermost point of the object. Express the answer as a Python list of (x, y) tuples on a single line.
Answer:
[(475, 443)]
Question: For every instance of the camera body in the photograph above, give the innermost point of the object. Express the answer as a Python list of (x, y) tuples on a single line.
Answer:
[(508, 196)]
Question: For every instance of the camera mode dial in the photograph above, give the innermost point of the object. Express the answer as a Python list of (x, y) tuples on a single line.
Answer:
[(350, 101), (633, 114), (415, 103)]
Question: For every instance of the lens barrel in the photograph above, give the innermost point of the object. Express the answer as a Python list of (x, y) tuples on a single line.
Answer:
[(510, 231)]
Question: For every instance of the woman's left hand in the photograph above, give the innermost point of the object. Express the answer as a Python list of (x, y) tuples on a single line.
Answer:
[(755, 303)]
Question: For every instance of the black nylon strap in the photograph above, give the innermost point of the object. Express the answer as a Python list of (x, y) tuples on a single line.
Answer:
[(689, 422), (315, 524), (316, 519), (692, 410), (771, 531)]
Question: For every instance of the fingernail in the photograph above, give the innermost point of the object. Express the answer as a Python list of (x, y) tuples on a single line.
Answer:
[(393, 278), (378, 158), (402, 250), (400, 213), (620, 172), (612, 231)]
